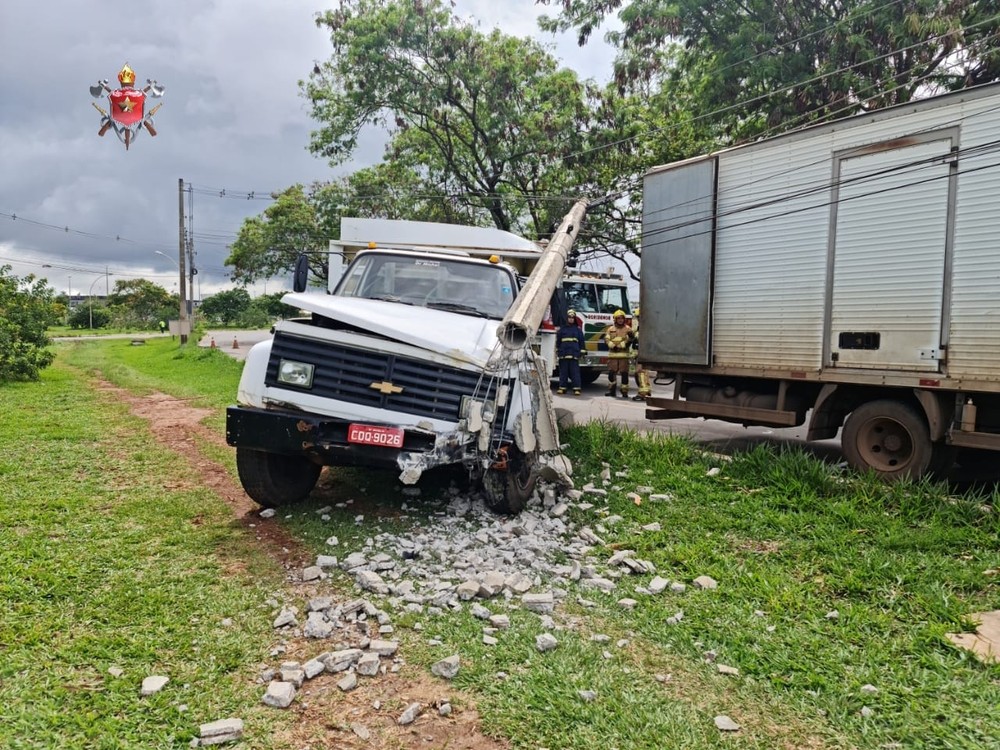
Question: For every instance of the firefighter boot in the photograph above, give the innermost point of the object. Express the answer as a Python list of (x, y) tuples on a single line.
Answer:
[(624, 390), (576, 391), (611, 389), (560, 391)]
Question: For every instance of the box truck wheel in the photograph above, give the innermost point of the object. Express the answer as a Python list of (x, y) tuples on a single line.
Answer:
[(889, 437), (508, 489), (273, 479)]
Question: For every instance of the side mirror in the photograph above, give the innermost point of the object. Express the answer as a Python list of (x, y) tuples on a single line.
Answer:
[(558, 306), (300, 278)]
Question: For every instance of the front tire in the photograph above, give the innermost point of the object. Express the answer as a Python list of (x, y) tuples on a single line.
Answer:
[(508, 490), (890, 438), (274, 479)]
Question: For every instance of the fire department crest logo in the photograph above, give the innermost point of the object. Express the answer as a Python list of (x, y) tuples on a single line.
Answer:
[(127, 114)]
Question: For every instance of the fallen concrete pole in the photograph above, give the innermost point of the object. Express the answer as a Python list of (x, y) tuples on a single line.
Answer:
[(525, 315)]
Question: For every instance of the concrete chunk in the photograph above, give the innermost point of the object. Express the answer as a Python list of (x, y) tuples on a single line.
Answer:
[(541, 603), (153, 684), (220, 732), (369, 580), (545, 642), (279, 694), (447, 668), (383, 648), (338, 661), (410, 714), (368, 665)]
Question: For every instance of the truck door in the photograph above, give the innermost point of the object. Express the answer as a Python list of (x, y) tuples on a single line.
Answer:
[(890, 248)]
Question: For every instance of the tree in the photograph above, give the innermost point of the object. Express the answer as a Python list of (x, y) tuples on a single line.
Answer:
[(90, 316), (269, 244), (139, 303), (27, 308), (486, 119), (762, 66), (272, 306), (227, 306), (304, 220)]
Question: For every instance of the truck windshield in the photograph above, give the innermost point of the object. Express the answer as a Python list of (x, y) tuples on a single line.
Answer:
[(430, 281), (595, 297)]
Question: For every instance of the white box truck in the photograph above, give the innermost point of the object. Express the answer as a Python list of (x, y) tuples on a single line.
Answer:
[(848, 272)]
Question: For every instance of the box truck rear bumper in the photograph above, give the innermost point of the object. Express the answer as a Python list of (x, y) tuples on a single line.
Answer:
[(324, 439), (668, 408)]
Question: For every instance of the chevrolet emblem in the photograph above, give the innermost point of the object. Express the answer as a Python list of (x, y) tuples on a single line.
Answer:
[(386, 388)]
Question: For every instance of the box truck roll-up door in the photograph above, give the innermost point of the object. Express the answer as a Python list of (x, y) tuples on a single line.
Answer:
[(889, 244), (678, 221)]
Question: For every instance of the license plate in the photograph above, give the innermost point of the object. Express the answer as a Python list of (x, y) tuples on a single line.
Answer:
[(368, 434)]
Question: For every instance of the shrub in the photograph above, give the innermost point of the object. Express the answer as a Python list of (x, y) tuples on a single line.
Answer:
[(26, 311)]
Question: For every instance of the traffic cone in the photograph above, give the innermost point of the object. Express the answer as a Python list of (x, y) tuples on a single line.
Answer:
[(213, 342), (236, 344)]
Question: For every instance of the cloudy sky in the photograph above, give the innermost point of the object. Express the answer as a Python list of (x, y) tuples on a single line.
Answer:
[(232, 124)]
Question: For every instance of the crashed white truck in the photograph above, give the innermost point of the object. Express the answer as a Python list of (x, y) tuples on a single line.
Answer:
[(419, 357), (849, 272)]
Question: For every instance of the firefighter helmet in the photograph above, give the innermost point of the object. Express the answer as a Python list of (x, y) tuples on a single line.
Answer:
[(619, 313)]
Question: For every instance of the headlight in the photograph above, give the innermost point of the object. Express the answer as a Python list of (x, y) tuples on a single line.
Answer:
[(296, 373)]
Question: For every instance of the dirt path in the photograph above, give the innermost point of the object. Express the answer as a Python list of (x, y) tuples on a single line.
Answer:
[(325, 714)]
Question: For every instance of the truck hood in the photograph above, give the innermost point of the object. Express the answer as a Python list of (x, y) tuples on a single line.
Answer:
[(465, 337)]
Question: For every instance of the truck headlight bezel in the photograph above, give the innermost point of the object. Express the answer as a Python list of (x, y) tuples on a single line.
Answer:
[(297, 374)]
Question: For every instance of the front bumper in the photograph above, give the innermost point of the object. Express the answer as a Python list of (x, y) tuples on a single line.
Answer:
[(324, 439)]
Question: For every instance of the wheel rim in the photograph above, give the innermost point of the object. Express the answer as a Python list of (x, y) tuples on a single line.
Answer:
[(885, 444)]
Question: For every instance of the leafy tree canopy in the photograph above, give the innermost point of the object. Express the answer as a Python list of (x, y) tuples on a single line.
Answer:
[(139, 302), (226, 306), (485, 119), (305, 220), (768, 65), (27, 308)]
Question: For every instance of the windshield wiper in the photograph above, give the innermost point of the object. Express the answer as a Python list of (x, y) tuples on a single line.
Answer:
[(456, 307), (390, 298)]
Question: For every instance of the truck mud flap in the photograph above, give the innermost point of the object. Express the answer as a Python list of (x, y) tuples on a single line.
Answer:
[(324, 439)]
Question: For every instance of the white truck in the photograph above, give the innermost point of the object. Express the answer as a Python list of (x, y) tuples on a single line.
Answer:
[(848, 273), (419, 356)]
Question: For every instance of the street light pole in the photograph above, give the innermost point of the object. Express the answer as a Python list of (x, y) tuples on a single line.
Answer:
[(92, 301)]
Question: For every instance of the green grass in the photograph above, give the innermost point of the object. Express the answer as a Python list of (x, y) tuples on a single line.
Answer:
[(101, 566), (784, 534)]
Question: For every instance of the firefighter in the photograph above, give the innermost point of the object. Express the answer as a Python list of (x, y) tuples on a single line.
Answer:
[(641, 376), (619, 337), (570, 345)]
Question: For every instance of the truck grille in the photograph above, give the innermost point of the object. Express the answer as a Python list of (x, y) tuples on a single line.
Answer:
[(347, 374)]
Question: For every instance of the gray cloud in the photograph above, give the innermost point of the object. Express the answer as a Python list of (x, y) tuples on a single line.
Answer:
[(232, 119)]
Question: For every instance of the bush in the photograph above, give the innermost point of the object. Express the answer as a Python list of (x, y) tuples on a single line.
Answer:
[(86, 317), (27, 309)]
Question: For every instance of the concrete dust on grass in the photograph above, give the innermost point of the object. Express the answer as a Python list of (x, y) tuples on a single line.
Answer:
[(324, 712)]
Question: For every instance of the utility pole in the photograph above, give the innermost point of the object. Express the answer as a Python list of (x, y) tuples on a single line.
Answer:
[(183, 320), (190, 250)]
